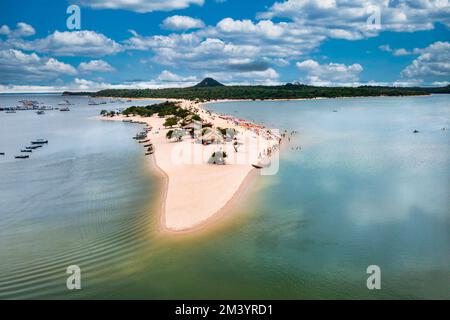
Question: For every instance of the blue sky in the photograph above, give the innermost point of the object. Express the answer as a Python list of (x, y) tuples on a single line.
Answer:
[(173, 43)]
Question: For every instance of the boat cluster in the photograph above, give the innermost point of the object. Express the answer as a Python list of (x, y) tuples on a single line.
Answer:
[(36, 144), (101, 102), (39, 107), (142, 138)]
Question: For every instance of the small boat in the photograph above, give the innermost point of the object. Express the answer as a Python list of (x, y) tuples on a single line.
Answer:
[(144, 141), (33, 147), (148, 145), (263, 163), (416, 131), (26, 150), (11, 111), (22, 157), (128, 121), (64, 103), (40, 112), (39, 141), (64, 109), (149, 153), (2, 153)]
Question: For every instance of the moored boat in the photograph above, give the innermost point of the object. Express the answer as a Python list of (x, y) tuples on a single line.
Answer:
[(22, 157), (65, 103), (39, 141), (263, 163), (26, 150)]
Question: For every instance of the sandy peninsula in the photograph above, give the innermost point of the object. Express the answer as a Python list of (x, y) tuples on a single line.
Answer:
[(196, 191)]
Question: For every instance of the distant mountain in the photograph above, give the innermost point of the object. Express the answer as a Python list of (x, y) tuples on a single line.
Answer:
[(208, 83)]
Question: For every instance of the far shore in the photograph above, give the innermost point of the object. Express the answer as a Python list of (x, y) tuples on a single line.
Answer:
[(268, 100), (197, 193)]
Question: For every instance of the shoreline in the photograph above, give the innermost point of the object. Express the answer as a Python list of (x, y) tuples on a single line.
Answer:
[(270, 100), (196, 195)]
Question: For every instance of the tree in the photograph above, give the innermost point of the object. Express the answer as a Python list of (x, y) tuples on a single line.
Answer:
[(169, 134), (103, 112), (170, 122), (236, 146)]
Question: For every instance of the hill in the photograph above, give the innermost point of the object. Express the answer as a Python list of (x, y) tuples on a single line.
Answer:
[(208, 83)]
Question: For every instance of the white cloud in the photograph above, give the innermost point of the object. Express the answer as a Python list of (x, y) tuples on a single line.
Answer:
[(72, 43), (182, 23), (329, 74), (348, 19), (434, 61), (80, 84), (4, 30), (265, 27), (441, 83), (22, 30), (167, 76), (385, 48), (141, 6), (407, 83), (95, 66), (401, 52), (235, 47), (19, 67), (191, 51)]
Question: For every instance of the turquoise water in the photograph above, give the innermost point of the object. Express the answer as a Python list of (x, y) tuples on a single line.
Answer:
[(363, 190)]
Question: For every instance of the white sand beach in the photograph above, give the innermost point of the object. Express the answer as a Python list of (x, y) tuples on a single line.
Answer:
[(197, 190)]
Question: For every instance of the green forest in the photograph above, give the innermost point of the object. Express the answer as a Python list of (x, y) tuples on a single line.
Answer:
[(288, 91)]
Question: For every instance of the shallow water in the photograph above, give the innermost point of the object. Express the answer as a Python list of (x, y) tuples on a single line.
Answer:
[(362, 190)]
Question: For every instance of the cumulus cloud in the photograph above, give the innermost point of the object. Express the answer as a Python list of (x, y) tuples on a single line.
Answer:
[(141, 6), (182, 23), (399, 52), (81, 84), (19, 67), (385, 48), (236, 47), (348, 19), (318, 74), (192, 50), (22, 30), (168, 76), (95, 66), (72, 43), (434, 61)]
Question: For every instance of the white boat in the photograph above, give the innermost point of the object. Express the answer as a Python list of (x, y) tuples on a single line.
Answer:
[(64, 103), (262, 163)]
